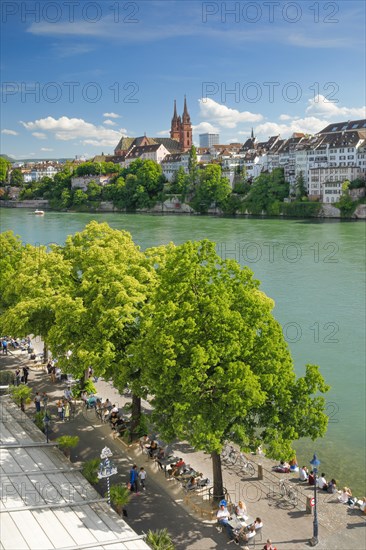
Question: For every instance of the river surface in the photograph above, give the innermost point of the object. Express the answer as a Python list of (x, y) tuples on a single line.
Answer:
[(315, 272)]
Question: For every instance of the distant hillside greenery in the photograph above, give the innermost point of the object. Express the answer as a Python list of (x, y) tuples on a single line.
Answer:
[(6, 157)]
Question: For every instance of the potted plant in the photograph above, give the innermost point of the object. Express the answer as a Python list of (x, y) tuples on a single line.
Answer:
[(90, 470), (66, 443), (21, 395), (119, 498), (159, 540)]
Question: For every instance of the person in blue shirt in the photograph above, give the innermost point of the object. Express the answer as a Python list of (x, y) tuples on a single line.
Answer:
[(133, 479)]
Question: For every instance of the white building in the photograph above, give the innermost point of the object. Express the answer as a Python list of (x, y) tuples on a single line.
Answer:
[(171, 164), (156, 152)]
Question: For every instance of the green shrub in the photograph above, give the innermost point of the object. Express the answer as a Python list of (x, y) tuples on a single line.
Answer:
[(6, 378), (159, 540), (21, 394), (120, 495), (67, 441), (90, 470)]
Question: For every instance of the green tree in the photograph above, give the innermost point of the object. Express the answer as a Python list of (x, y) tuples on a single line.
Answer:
[(300, 187), (216, 362), (79, 198), (96, 315), (266, 189), (180, 183), (32, 286), (16, 178), (192, 168), (345, 204), (4, 168), (94, 191), (212, 188)]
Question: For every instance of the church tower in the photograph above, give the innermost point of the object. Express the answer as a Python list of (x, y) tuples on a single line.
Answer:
[(175, 125), (185, 138)]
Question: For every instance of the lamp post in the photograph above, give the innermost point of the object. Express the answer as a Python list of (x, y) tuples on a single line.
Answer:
[(315, 462), (106, 469)]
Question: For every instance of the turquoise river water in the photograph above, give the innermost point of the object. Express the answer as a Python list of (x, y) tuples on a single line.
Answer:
[(315, 272)]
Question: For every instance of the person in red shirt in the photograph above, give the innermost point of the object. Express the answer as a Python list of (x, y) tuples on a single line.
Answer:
[(268, 545), (176, 467)]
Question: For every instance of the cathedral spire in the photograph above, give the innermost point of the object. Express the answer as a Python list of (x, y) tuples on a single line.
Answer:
[(252, 136), (185, 117), (175, 110)]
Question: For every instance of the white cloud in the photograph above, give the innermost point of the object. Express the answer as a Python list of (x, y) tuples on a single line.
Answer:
[(39, 135), (307, 125), (321, 106), (109, 123), (9, 132), (225, 116), (46, 149), (66, 129), (205, 128), (111, 115), (285, 117)]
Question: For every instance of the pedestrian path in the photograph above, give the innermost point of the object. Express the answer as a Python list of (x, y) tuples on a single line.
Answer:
[(163, 504)]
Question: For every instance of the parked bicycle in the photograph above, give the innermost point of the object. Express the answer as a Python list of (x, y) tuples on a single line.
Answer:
[(228, 454), (288, 492)]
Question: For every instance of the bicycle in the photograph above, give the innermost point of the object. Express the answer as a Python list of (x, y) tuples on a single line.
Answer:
[(246, 466), (228, 455), (288, 492)]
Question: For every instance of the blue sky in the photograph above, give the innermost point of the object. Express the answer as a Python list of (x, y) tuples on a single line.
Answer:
[(77, 75)]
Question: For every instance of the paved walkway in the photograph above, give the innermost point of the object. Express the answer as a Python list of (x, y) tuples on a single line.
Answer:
[(163, 505)]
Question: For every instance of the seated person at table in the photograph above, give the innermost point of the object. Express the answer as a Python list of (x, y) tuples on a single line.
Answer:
[(159, 457), (257, 524), (311, 478), (332, 486), (241, 510), (223, 516), (192, 484), (144, 442), (303, 474), (175, 468), (113, 419), (91, 402), (244, 534), (321, 482), (153, 449), (283, 467)]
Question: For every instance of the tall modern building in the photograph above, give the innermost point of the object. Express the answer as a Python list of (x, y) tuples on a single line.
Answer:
[(206, 140)]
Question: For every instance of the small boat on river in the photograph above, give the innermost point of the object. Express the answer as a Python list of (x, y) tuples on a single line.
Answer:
[(39, 212)]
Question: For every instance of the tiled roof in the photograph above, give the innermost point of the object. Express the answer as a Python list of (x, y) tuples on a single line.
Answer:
[(344, 126)]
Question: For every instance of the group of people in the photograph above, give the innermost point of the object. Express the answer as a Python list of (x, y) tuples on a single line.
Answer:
[(21, 378), (344, 496), (244, 533), (137, 479)]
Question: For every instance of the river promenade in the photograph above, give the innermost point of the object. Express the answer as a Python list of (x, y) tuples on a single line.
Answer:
[(163, 504)]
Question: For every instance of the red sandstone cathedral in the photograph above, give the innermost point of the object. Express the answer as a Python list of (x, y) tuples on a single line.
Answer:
[(180, 136)]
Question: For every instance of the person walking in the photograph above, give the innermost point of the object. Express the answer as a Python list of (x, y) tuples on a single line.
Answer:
[(17, 377), (133, 479), (142, 477), (25, 375), (5, 346), (60, 409), (66, 411), (37, 402)]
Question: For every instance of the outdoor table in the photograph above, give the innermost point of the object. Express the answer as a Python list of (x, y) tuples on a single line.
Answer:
[(237, 523), (167, 461)]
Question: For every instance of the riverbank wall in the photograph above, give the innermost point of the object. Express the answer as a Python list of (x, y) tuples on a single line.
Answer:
[(328, 211)]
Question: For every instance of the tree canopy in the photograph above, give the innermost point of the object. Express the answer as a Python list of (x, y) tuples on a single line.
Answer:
[(216, 361)]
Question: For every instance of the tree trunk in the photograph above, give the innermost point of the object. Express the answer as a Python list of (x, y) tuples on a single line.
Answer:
[(218, 487), (22, 404), (135, 414), (45, 353)]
